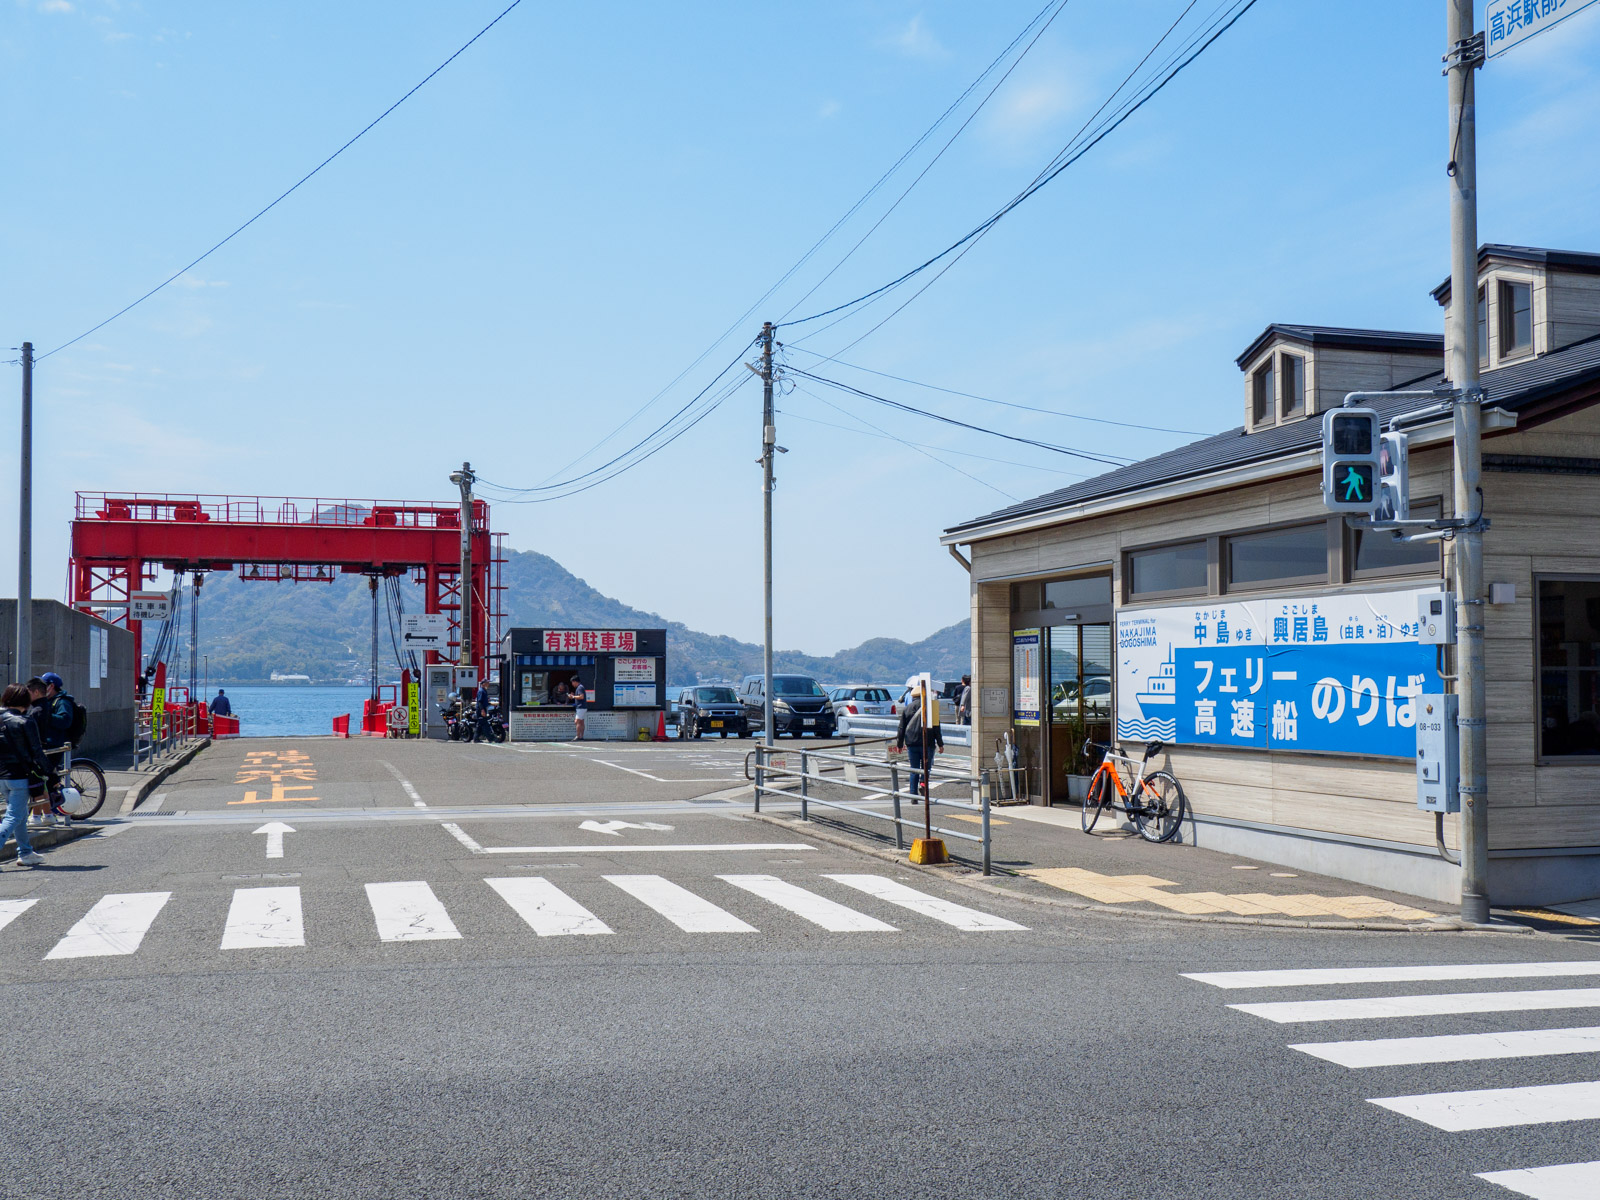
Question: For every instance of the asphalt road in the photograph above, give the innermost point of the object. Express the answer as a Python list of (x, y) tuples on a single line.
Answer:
[(615, 1016)]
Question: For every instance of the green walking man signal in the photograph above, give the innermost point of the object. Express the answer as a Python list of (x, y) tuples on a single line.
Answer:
[(1352, 440)]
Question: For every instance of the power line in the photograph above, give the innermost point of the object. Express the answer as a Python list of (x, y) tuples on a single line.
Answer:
[(1107, 460), (303, 179), (933, 387), (1045, 178), (922, 450), (837, 225)]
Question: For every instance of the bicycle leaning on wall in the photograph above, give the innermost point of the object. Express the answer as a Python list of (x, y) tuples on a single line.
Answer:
[(1154, 801)]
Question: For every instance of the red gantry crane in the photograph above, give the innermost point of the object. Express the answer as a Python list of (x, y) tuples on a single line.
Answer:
[(120, 539)]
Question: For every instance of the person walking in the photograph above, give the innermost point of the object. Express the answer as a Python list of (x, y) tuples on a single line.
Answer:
[(909, 737), (55, 709), (480, 713), (222, 706), (22, 761), (964, 704), (580, 711)]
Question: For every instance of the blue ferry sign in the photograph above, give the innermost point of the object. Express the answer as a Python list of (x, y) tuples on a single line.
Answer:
[(1508, 22)]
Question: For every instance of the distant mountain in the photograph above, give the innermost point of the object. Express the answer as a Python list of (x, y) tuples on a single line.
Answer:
[(324, 630)]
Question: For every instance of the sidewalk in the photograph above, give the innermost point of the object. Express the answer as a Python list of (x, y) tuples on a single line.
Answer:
[(1044, 852)]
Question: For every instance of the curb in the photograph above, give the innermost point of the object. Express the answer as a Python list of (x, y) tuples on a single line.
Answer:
[(50, 835), (971, 880), (136, 795)]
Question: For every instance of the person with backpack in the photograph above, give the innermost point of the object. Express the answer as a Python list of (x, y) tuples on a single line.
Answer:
[(57, 713), (22, 764), (909, 737)]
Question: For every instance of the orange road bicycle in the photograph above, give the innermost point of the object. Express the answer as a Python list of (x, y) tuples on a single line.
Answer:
[(1154, 801)]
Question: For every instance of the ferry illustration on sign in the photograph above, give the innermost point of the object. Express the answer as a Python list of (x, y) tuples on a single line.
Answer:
[(1157, 703)]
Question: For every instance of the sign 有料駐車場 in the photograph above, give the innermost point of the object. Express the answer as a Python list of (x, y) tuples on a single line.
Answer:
[(590, 641), (1319, 673)]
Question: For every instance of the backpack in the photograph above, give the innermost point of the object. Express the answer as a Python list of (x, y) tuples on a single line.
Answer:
[(79, 724)]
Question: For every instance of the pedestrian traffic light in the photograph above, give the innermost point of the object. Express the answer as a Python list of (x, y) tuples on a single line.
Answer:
[(1350, 460), (1394, 479)]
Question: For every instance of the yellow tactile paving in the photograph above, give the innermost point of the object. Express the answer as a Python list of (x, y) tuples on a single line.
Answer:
[(1130, 889)]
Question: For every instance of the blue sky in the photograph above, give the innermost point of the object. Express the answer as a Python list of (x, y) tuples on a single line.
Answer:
[(546, 235)]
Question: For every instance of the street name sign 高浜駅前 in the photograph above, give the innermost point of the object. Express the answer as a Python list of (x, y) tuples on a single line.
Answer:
[(149, 606), (1318, 672), (424, 631), (1507, 23)]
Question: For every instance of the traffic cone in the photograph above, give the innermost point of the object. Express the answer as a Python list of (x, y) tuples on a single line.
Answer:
[(661, 726)]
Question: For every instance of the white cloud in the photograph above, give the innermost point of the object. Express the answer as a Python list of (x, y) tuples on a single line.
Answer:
[(830, 108), (916, 40), (55, 6)]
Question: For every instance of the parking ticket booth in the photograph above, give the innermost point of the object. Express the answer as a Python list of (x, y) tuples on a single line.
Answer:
[(618, 675)]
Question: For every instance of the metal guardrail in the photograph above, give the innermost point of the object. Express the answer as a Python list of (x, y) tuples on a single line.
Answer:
[(179, 726), (772, 762)]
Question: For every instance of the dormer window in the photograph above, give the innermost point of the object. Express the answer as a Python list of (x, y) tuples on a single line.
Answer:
[(1264, 394), (1293, 368), (1516, 318)]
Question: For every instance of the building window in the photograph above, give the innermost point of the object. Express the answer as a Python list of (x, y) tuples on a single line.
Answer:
[(1262, 394), (1074, 595), (1169, 569), (1569, 667), (1298, 554), (1294, 384), (1516, 318), (1483, 326), (1378, 553)]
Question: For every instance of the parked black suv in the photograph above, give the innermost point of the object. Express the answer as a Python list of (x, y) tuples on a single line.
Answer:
[(711, 710), (799, 705)]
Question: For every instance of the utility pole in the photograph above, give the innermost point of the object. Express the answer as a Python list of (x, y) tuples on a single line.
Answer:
[(372, 671), (769, 445), (25, 525), (1464, 57), (464, 479)]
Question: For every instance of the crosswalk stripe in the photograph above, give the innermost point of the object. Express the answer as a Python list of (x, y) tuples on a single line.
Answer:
[(1569, 1181), (819, 910), (115, 925), (1462, 1047), (409, 912), (10, 910), (968, 919), (1289, 1011), (1497, 1108), (1419, 974), (265, 916), (679, 905), (548, 910)]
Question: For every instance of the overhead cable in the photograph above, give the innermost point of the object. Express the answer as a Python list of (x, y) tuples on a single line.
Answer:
[(285, 195), (1049, 175), (1052, 412), (1105, 459)]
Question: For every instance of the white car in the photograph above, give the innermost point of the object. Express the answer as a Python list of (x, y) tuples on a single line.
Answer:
[(860, 700)]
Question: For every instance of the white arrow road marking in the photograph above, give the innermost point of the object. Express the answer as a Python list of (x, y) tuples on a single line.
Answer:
[(614, 828), (275, 831)]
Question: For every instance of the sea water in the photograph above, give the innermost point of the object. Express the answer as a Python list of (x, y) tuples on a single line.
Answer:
[(291, 710)]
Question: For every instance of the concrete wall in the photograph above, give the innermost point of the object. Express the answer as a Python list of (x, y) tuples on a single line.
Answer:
[(61, 644)]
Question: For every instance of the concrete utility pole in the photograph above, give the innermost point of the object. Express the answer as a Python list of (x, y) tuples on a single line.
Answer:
[(464, 479), (769, 445), (24, 667), (1463, 59)]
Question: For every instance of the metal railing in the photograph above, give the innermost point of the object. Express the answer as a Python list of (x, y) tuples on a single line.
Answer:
[(956, 735), (178, 727), (773, 763)]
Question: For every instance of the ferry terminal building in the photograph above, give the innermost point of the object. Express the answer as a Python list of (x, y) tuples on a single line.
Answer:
[(1204, 597)]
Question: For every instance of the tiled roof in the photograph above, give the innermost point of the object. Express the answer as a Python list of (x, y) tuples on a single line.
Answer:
[(1516, 388), (1358, 339), (1565, 260)]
